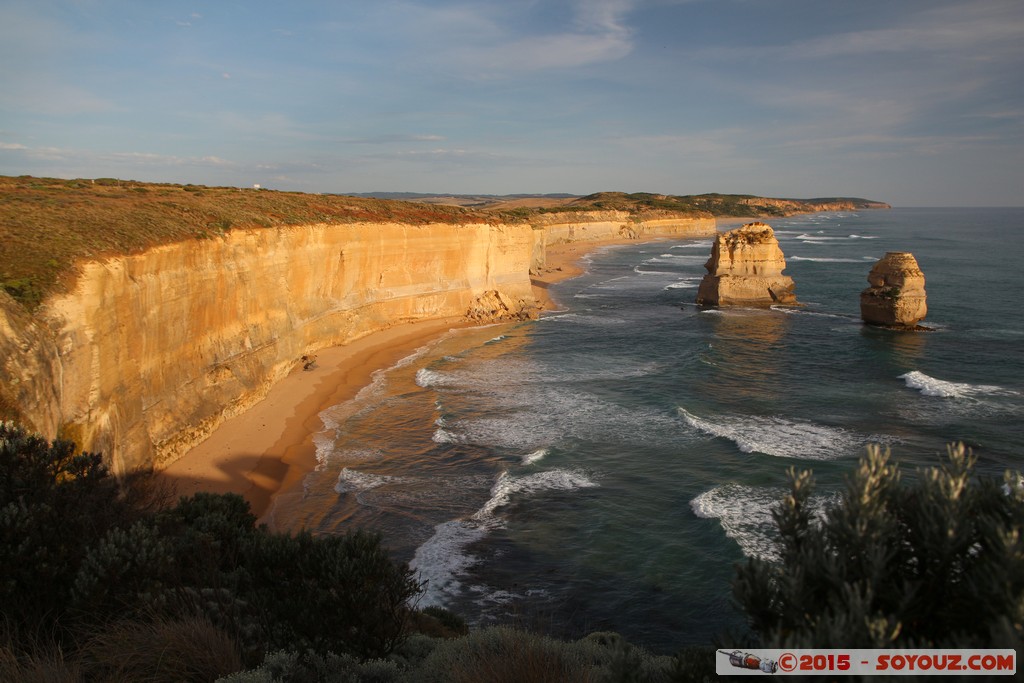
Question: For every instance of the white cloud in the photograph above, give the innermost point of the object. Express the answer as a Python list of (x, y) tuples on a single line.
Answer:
[(392, 138), (495, 40)]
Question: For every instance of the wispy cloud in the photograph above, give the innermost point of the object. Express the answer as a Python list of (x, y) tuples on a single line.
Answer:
[(491, 40), (393, 138), (125, 159)]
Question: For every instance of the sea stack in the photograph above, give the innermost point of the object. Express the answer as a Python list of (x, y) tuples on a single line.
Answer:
[(745, 269), (896, 297)]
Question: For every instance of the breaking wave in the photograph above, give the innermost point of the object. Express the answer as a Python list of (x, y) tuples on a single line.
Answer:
[(815, 259), (930, 386), (443, 561), (745, 513), (778, 436), (350, 480)]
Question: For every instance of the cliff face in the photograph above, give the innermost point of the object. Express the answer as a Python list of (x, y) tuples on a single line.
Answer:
[(896, 296), (156, 349), (149, 352), (745, 269), (30, 367), (594, 226), (789, 207)]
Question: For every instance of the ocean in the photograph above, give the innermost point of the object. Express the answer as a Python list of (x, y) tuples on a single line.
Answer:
[(606, 466)]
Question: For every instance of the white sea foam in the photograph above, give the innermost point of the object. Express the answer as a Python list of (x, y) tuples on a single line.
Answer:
[(442, 560), (789, 310), (930, 386), (778, 436), (693, 245), (508, 486), (535, 456), (535, 417), (442, 435), (830, 260), (350, 480), (578, 319), (688, 283), (678, 258), (745, 513), (324, 443), (430, 378)]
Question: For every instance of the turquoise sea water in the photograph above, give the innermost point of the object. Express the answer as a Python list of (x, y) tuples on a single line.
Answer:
[(605, 467)]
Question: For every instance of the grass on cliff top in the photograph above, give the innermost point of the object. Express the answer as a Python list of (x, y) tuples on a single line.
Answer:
[(47, 224), (645, 204)]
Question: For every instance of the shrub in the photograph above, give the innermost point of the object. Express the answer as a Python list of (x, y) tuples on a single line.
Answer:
[(161, 650), (499, 654), (54, 505), (333, 593), (936, 563)]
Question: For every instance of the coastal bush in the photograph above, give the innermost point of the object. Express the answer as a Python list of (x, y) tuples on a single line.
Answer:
[(55, 504), (329, 593), (81, 549), (160, 650), (935, 563)]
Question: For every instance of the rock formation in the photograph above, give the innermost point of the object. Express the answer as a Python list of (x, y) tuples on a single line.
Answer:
[(896, 297), (745, 269)]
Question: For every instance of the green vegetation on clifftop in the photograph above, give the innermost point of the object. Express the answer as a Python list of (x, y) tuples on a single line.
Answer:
[(47, 225)]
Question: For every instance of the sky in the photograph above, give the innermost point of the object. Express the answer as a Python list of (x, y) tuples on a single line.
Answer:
[(913, 102)]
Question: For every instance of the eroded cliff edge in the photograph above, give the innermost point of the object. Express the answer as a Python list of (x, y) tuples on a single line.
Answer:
[(147, 353)]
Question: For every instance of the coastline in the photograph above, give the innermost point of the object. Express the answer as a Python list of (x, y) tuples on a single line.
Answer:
[(269, 448)]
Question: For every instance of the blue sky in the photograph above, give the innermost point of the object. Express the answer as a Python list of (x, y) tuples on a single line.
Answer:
[(915, 102)]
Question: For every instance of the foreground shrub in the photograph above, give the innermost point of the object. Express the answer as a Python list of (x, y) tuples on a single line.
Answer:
[(329, 593), (310, 667), (506, 654), (80, 550), (936, 563), (161, 651), (44, 665), (55, 504)]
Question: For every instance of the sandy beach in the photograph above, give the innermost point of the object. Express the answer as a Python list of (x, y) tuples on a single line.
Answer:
[(269, 448)]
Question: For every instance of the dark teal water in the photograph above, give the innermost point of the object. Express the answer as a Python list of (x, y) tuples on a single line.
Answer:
[(606, 466)]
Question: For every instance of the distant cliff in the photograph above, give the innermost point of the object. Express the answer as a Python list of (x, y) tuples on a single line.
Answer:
[(135, 318), (524, 206)]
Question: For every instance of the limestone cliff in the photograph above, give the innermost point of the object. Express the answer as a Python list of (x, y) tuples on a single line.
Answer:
[(150, 351), (594, 226), (745, 269), (896, 296)]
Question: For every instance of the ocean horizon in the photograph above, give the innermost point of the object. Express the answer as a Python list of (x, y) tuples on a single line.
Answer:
[(606, 466)]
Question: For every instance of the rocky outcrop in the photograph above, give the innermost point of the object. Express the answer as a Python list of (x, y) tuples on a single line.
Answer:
[(896, 297), (745, 269)]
